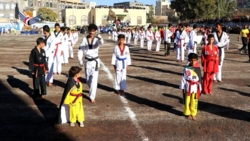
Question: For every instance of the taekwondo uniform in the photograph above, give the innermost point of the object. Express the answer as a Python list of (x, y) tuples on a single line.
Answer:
[(75, 38), (115, 35), (181, 39), (192, 42), (38, 66), (70, 45), (91, 62), (109, 35), (65, 56), (129, 36), (120, 59), (49, 51), (167, 39), (158, 41), (58, 38), (209, 59), (191, 85), (228, 42), (142, 36), (150, 38), (220, 42), (136, 36)]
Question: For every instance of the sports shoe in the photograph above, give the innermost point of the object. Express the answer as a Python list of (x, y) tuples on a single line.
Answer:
[(81, 124), (72, 124)]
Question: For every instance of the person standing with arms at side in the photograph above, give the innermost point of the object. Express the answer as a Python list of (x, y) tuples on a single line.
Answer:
[(90, 48), (58, 38), (158, 39), (49, 50), (38, 67), (65, 56), (149, 37), (243, 34), (70, 43), (220, 40), (142, 37), (192, 43), (167, 39), (181, 41)]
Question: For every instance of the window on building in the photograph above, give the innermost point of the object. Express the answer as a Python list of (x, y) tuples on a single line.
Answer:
[(139, 20), (47, 4), (1, 6), (7, 6), (84, 20), (72, 20), (13, 5), (50, 4), (30, 2)]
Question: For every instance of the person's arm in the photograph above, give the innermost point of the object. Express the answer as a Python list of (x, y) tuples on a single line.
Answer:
[(31, 62), (203, 56), (100, 39), (239, 36), (80, 52), (113, 60)]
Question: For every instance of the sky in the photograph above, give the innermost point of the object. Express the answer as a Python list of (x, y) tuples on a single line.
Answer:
[(110, 2)]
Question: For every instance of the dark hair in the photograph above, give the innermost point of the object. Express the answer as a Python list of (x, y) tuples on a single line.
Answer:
[(220, 24), (91, 27), (121, 36), (63, 29), (57, 24), (210, 36), (192, 56), (149, 26), (74, 70), (39, 40), (181, 25), (46, 28), (194, 26), (169, 25)]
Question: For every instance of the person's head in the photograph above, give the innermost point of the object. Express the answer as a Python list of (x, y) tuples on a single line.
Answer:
[(194, 26), (245, 26), (40, 42), (57, 27), (62, 29), (180, 26), (193, 59), (210, 38), (142, 29), (170, 25), (159, 28), (46, 29), (121, 39), (150, 28), (92, 29), (218, 27), (74, 71)]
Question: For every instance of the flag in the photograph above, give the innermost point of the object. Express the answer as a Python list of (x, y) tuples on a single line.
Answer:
[(22, 17), (34, 20), (16, 11), (27, 20)]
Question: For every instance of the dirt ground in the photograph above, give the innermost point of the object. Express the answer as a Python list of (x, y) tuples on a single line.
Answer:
[(151, 110)]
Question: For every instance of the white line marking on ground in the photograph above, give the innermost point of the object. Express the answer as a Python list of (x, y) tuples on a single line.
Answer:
[(131, 114)]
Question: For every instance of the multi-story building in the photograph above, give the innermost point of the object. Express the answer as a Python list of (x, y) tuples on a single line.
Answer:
[(161, 6), (129, 4), (7, 8)]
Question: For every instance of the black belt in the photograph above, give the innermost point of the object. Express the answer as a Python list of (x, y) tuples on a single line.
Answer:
[(220, 52), (93, 59)]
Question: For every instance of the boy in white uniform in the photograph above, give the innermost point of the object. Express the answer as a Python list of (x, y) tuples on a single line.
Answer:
[(136, 36), (142, 37), (158, 39), (121, 59), (65, 56), (150, 38), (90, 48), (70, 43)]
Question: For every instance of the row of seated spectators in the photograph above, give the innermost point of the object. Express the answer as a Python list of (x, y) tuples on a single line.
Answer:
[(105, 6)]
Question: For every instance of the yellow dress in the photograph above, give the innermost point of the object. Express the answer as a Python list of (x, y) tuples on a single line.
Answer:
[(74, 101)]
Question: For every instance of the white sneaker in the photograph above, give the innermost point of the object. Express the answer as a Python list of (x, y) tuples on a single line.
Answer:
[(81, 124), (72, 124)]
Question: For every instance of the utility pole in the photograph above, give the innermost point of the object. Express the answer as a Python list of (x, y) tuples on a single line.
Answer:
[(219, 9)]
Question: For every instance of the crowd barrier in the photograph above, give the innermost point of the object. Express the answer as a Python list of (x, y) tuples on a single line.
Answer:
[(29, 32)]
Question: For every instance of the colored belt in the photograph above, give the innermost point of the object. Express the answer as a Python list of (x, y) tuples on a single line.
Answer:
[(39, 65), (93, 59), (57, 48), (194, 83), (77, 97), (220, 52), (123, 61)]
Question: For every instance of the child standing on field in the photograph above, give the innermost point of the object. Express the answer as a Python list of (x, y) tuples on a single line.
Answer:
[(121, 59), (191, 86)]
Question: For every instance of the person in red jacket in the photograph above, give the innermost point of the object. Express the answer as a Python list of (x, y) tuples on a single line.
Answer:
[(209, 59)]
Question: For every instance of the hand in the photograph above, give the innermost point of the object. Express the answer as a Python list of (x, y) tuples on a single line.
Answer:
[(46, 71), (192, 47), (33, 73), (62, 52)]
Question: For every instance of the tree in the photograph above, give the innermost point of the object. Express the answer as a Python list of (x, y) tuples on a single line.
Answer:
[(47, 14), (206, 9), (150, 17)]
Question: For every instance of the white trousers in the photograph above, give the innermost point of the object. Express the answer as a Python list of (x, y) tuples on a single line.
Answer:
[(191, 51), (149, 45), (120, 79), (142, 43), (65, 56), (218, 75), (49, 75), (129, 39), (115, 39), (158, 46), (180, 53), (91, 79), (135, 41), (58, 63), (71, 53)]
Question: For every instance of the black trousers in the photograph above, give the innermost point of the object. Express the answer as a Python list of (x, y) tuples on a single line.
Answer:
[(167, 48), (39, 82), (249, 51), (244, 42)]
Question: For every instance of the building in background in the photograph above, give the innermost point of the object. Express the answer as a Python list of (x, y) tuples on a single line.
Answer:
[(129, 4), (161, 7)]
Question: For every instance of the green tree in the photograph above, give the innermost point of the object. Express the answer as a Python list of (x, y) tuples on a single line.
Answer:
[(47, 14), (207, 9), (150, 16)]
